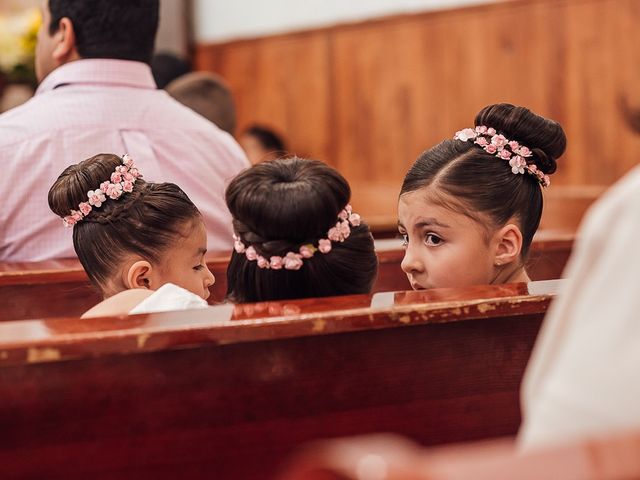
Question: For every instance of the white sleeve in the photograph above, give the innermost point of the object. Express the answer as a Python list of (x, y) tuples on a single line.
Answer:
[(584, 375), (169, 298)]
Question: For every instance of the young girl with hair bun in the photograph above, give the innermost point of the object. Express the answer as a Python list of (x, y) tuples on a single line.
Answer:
[(142, 244), (469, 207), (296, 235)]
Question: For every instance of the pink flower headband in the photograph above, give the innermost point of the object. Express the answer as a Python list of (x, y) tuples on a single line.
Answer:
[(293, 260), (504, 149), (122, 181)]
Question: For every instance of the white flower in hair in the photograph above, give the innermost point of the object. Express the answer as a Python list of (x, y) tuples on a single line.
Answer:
[(466, 134), (96, 198), (114, 191)]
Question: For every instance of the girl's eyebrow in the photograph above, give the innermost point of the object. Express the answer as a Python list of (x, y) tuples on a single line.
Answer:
[(429, 222)]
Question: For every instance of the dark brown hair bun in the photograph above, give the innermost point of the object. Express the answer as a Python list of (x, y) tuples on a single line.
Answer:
[(544, 137), (279, 206), (486, 184), (143, 223)]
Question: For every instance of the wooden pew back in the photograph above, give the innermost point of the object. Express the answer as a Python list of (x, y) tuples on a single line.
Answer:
[(190, 394), (60, 288)]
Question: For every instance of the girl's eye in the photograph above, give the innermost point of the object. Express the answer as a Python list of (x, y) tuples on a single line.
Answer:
[(405, 239), (432, 240), (198, 267)]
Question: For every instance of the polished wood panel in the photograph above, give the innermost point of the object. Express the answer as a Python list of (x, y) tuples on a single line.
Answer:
[(367, 98), (60, 288), (606, 457), (301, 110), (196, 395)]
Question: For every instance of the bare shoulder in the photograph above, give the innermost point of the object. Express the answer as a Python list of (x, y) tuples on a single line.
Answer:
[(119, 304)]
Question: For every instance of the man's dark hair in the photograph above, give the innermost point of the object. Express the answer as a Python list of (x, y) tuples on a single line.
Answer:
[(269, 139), (167, 67), (119, 29)]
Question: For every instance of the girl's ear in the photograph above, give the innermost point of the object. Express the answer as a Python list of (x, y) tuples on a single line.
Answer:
[(138, 275), (65, 48), (508, 245)]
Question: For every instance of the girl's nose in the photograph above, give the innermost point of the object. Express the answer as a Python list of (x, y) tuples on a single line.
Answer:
[(210, 279), (411, 263)]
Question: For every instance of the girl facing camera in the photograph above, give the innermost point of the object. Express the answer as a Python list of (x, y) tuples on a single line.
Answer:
[(469, 207)]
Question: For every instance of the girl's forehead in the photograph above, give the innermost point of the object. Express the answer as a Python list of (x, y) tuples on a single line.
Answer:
[(426, 202), (424, 206), (193, 237)]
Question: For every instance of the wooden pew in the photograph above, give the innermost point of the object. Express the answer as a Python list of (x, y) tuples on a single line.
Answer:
[(60, 287), (606, 457), (196, 395)]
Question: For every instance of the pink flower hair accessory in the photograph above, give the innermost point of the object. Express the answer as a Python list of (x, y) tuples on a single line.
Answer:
[(294, 260), (120, 182), (508, 150)]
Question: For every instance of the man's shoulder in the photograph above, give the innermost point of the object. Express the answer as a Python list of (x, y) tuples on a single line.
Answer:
[(15, 123), (60, 113), (187, 117), (41, 116), (189, 122)]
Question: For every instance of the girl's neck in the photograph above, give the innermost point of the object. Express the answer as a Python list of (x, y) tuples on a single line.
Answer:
[(512, 275)]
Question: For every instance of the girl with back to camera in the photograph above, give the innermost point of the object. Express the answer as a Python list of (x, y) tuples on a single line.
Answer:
[(295, 234), (469, 207), (142, 244)]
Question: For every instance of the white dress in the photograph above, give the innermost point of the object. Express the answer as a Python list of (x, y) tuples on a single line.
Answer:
[(584, 376), (167, 298)]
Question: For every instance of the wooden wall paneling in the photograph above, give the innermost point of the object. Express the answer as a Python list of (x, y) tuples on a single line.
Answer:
[(281, 82), (380, 92), (378, 111), (373, 100)]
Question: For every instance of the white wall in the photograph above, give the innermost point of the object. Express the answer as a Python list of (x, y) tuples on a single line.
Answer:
[(221, 20), (172, 32)]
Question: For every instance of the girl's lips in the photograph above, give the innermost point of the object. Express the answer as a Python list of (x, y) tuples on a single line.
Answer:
[(417, 286)]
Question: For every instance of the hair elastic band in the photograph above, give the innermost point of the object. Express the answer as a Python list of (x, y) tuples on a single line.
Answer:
[(122, 181), (497, 145), (293, 260)]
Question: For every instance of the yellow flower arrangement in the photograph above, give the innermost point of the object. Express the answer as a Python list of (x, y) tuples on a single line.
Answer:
[(18, 37)]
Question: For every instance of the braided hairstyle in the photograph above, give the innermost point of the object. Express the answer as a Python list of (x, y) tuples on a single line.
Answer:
[(143, 223), (479, 182), (277, 207)]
